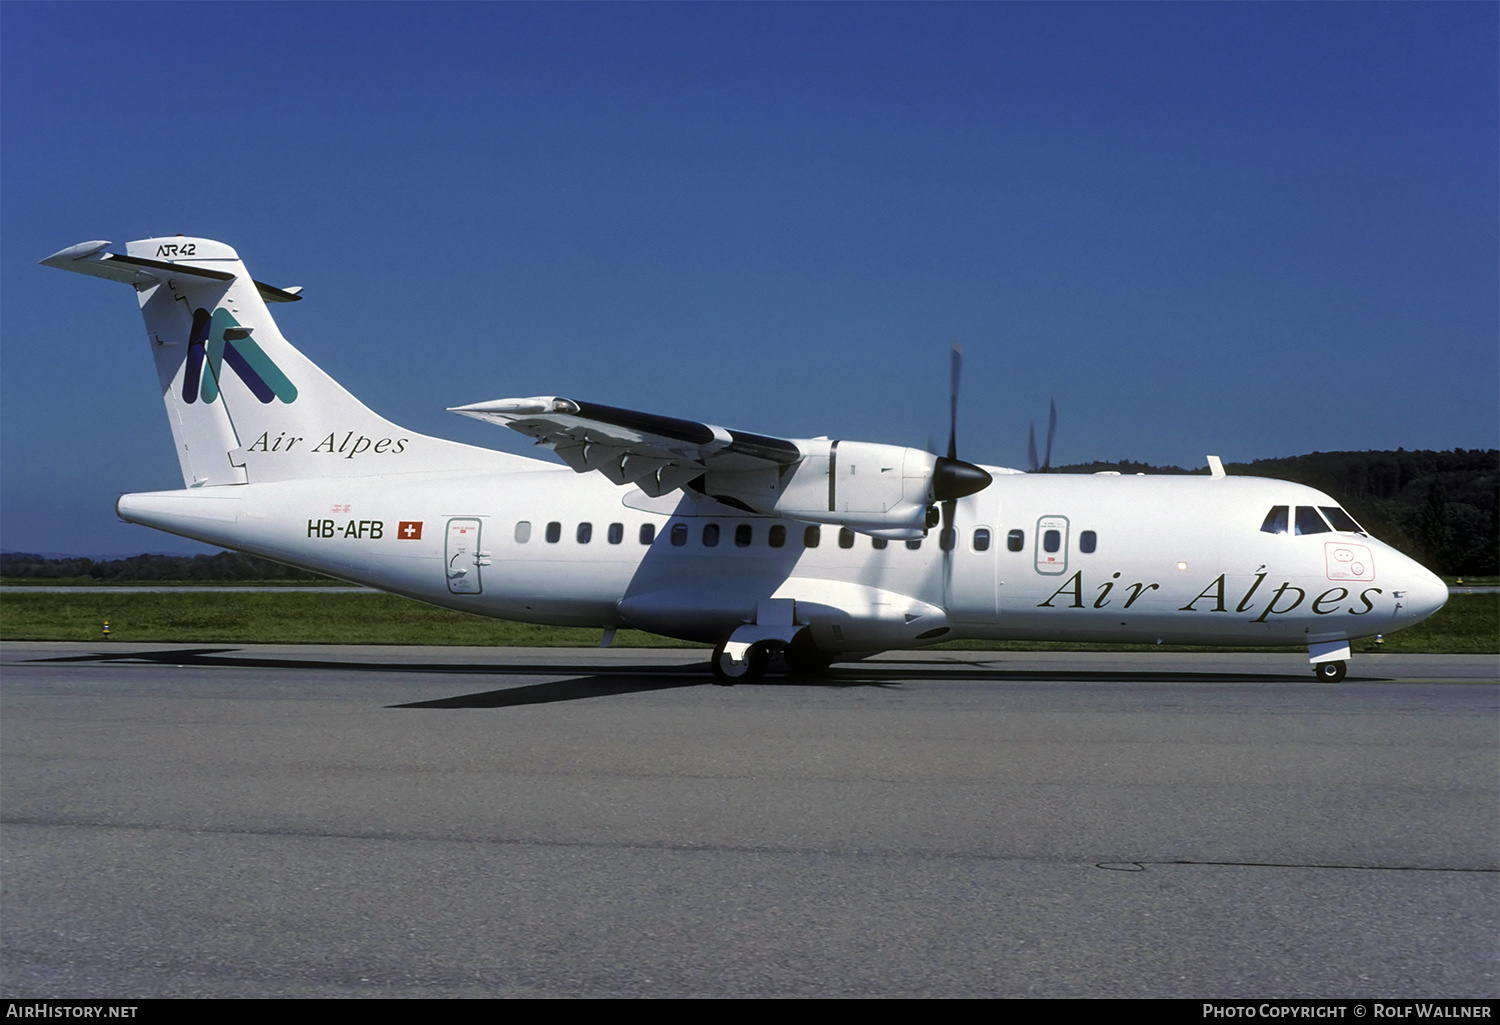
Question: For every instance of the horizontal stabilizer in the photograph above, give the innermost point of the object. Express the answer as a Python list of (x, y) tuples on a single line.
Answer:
[(142, 272)]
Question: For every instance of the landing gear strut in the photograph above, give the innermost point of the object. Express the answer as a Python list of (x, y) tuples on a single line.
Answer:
[(1330, 672)]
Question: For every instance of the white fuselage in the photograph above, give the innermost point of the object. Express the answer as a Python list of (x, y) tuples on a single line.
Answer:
[(1164, 559)]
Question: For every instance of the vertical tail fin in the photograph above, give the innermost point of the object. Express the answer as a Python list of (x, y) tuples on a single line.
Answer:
[(244, 404)]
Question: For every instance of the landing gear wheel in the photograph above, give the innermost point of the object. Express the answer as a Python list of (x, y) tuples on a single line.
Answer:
[(804, 659), (1330, 672), (727, 673)]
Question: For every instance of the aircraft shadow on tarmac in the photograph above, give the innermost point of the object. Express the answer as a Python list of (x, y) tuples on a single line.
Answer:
[(593, 681)]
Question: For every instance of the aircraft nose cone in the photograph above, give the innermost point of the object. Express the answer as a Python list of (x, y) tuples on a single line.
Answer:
[(1425, 593)]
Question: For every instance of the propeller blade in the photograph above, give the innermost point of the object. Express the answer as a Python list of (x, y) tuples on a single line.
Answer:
[(1051, 431), (956, 369), (1031, 446)]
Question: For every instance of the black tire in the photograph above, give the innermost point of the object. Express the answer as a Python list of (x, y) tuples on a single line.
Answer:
[(803, 657), (1330, 672), (751, 670)]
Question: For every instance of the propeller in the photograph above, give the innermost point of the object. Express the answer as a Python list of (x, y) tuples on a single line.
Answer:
[(953, 478), (1046, 465)]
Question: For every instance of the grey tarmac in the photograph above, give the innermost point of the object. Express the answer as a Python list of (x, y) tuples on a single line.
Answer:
[(269, 820)]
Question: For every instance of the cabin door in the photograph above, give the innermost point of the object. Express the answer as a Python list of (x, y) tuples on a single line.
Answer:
[(465, 559)]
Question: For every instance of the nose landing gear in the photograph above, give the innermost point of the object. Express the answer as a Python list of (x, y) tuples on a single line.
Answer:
[(1330, 672), (1330, 659)]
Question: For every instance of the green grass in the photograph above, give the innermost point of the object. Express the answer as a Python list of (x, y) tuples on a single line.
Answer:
[(1468, 624), (284, 618), (95, 582)]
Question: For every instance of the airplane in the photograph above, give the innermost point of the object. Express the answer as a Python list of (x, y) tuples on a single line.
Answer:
[(814, 549)]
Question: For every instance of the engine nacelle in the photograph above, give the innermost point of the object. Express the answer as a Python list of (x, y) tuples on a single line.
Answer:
[(884, 490)]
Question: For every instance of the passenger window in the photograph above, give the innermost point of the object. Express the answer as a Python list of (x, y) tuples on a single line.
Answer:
[(846, 537), (523, 532), (1087, 542), (982, 539), (914, 543), (648, 533), (679, 534), (585, 533), (776, 536), (1275, 521), (710, 535), (878, 543), (1051, 540), (616, 533), (743, 535), (1309, 522), (1015, 540), (554, 532), (1340, 519), (811, 536), (947, 539)]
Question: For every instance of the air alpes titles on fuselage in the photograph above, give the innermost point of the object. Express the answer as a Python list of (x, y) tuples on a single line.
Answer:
[(1281, 601)]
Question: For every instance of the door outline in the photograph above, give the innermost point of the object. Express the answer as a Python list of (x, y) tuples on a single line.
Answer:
[(464, 558)]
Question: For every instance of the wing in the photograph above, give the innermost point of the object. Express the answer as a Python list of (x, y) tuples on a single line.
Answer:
[(658, 454)]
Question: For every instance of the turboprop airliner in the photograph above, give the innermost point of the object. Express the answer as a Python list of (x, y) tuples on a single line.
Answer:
[(816, 549)]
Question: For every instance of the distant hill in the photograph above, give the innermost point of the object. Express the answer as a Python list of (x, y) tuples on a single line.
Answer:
[(1440, 508)]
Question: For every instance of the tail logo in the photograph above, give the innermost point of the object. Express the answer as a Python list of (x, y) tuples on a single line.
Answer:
[(220, 341)]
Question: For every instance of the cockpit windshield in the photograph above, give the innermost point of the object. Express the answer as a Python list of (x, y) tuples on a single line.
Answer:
[(1309, 522), (1340, 519), (1306, 520), (1276, 521)]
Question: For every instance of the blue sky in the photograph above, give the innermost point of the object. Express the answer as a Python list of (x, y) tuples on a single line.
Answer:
[(1248, 229)]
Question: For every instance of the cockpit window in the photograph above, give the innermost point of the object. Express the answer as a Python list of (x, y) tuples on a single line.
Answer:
[(1276, 521), (1340, 519), (1309, 522)]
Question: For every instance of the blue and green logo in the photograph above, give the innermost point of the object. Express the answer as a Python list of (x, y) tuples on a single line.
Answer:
[(220, 341)]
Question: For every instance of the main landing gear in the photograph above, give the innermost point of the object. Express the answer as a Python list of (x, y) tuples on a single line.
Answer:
[(1330, 672), (803, 658), (728, 672)]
